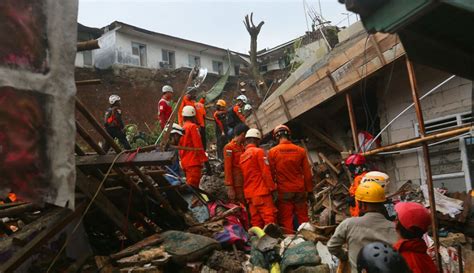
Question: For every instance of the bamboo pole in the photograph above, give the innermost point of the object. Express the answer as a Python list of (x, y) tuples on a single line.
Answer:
[(426, 157), (352, 120), (413, 142), (87, 45)]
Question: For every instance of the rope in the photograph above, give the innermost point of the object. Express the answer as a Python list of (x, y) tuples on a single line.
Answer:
[(85, 211)]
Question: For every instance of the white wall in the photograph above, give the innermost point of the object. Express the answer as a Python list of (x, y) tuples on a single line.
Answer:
[(452, 98), (123, 48), (105, 56)]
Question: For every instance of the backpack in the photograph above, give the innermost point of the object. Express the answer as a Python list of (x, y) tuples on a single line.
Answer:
[(232, 119)]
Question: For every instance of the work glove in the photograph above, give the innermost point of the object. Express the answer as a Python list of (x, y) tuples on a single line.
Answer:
[(350, 200), (275, 196), (231, 193)]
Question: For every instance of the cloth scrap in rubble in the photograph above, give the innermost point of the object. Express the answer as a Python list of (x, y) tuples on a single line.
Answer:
[(444, 204)]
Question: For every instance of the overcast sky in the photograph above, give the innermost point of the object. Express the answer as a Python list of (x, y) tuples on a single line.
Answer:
[(217, 22)]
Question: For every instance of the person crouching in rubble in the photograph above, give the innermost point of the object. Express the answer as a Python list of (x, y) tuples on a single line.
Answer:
[(234, 179), (356, 165), (412, 222), (292, 173), (192, 155), (370, 227), (175, 136), (259, 188), (113, 123)]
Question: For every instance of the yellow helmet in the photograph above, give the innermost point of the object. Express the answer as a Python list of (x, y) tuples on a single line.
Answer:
[(370, 192), (221, 103)]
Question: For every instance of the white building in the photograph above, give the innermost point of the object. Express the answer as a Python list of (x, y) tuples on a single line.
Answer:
[(129, 45)]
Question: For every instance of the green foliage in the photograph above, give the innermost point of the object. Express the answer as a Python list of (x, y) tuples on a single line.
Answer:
[(141, 139)]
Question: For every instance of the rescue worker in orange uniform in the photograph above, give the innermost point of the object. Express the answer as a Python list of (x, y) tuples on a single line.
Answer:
[(356, 165), (201, 119), (234, 179), (220, 117), (188, 100), (193, 158), (292, 173), (259, 188)]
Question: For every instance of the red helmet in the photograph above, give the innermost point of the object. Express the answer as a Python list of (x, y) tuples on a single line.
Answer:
[(412, 214), (281, 128), (355, 159)]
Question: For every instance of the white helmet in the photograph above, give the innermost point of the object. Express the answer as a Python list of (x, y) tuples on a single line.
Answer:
[(247, 107), (189, 111), (113, 99), (176, 129), (379, 177), (255, 133), (242, 98), (167, 88)]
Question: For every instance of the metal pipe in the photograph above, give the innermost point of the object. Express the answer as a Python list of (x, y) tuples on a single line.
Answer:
[(426, 157), (408, 108), (352, 120)]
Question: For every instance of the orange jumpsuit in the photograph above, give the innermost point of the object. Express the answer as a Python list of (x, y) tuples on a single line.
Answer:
[(192, 161), (292, 173), (258, 186), (185, 102), (352, 190), (238, 114), (232, 170)]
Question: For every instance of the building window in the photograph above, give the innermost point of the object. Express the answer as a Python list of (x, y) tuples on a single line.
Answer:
[(218, 67), (450, 159), (87, 56), (237, 69), (194, 61), (139, 50), (168, 58), (263, 68)]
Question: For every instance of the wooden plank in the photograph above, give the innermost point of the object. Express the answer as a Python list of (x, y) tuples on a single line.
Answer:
[(328, 162), (141, 159), (13, 211), (89, 186), (377, 49), (67, 216), (323, 138), (285, 108), (352, 119), (149, 241)]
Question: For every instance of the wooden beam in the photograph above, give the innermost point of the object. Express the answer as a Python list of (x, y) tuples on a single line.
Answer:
[(89, 186), (88, 82), (87, 45), (328, 162), (16, 210), (323, 138), (259, 126), (352, 120), (285, 107), (333, 82), (141, 159), (377, 49), (67, 216)]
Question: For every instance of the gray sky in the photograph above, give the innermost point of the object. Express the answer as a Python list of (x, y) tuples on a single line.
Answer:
[(217, 23)]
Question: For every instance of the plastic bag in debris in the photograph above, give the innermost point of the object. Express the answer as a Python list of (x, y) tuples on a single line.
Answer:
[(301, 254), (444, 204)]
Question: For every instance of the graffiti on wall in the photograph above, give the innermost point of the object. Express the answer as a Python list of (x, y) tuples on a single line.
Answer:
[(26, 45), (23, 157)]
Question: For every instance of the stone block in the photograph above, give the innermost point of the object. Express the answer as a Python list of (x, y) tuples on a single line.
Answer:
[(402, 134), (408, 160), (408, 173)]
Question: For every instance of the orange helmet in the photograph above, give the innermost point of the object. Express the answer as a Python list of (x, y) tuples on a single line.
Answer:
[(281, 128), (221, 103)]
